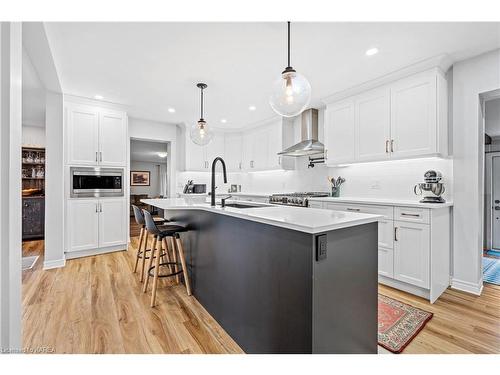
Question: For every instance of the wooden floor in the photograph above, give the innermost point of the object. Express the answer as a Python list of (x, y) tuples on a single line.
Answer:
[(93, 305)]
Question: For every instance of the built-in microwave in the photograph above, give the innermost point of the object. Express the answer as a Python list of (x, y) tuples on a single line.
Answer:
[(96, 182)]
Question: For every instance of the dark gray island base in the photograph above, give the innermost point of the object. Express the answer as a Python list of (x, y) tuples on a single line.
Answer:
[(266, 287)]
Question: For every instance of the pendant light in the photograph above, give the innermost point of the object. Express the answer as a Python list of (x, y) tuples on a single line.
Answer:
[(200, 133), (291, 93)]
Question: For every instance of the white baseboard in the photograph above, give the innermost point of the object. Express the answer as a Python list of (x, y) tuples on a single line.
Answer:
[(466, 286), (87, 253), (49, 264), (405, 287)]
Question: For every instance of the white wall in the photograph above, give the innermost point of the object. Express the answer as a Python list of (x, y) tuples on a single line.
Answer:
[(10, 184), (153, 190), (54, 182), (471, 78), (158, 131), (33, 136)]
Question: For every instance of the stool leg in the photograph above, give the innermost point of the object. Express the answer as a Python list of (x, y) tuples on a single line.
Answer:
[(157, 271), (151, 257), (141, 237), (174, 251), (167, 255), (143, 265), (185, 272)]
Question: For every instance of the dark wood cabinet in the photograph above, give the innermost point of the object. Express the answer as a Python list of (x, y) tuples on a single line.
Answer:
[(33, 218)]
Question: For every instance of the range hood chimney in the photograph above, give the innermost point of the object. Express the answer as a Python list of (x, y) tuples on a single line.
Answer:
[(309, 144)]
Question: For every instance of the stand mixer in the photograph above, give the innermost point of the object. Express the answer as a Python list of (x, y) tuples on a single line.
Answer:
[(431, 189)]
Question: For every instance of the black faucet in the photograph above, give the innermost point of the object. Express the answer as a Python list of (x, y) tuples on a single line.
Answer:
[(218, 158)]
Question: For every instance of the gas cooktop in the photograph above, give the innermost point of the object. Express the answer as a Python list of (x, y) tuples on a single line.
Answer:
[(296, 199)]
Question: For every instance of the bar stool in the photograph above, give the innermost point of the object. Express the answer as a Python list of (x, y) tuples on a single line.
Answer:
[(170, 231), (142, 253)]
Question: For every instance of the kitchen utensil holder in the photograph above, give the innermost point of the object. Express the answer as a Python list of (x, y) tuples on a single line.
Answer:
[(335, 191)]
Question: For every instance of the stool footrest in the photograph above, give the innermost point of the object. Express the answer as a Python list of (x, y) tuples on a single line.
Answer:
[(151, 269)]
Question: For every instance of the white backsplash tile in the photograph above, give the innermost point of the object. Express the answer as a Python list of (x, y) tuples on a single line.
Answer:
[(388, 179)]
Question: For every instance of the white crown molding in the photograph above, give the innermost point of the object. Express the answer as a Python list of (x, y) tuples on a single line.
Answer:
[(466, 286), (440, 62), (99, 103)]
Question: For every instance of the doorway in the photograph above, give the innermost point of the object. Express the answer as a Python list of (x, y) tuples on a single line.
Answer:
[(149, 176), (33, 167), (491, 244)]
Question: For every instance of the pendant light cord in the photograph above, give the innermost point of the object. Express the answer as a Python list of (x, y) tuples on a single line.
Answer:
[(288, 43), (202, 103)]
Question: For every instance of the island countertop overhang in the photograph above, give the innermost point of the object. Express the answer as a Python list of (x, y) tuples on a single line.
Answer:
[(308, 220)]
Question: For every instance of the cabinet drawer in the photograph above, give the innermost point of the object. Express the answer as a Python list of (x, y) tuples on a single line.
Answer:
[(412, 214), (386, 262), (314, 204), (385, 211)]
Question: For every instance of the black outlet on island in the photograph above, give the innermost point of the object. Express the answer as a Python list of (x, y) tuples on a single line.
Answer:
[(321, 247)]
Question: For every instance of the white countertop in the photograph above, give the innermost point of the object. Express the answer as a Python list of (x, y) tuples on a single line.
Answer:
[(383, 202), (238, 194), (309, 220)]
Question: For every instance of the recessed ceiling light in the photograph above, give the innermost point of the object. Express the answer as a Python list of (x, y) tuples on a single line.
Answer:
[(223, 120), (162, 154), (171, 110), (371, 51), (252, 108), (99, 97)]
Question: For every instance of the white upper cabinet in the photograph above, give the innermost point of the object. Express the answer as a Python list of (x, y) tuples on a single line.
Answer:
[(95, 136), (373, 125), (112, 133), (339, 133), (82, 127), (233, 144), (200, 158), (403, 119), (414, 116)]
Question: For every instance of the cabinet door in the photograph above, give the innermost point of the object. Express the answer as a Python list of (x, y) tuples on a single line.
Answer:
[(248, 142), (275, 145), (233, 151), (386, 262), (339, 133), (195, 156), (83, 222), (112, 222), (112, 138), (413, 116), (373, 125), (214, 149), (82, 124), (411, 253), (261, 149)]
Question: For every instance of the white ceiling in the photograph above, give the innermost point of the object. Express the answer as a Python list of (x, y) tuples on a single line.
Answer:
[(146, 151), (492, 118), (154, 66), (33, 94)]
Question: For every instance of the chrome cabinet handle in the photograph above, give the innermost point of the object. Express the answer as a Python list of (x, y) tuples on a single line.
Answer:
[(396, 234), (326, 154), (100, 207), (96, 209), (100, 155), (387, 146), (96, 156), (353, 209), (392, 145), (279, 160), (412, 215), (239, 165)]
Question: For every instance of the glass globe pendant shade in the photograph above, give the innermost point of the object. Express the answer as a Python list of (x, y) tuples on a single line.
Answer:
[(291, 94), (200, 133)]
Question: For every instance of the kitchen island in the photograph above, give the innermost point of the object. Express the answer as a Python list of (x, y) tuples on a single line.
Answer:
[(283, 279)]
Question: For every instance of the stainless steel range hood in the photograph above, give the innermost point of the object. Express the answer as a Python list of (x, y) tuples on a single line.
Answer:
[(309, 144)]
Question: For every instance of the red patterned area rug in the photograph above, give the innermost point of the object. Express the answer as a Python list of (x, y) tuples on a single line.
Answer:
[(398, 323)]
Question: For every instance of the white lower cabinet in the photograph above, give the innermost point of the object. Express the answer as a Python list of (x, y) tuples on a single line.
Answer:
[(411, 253), (413, 246), (96, 223)]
